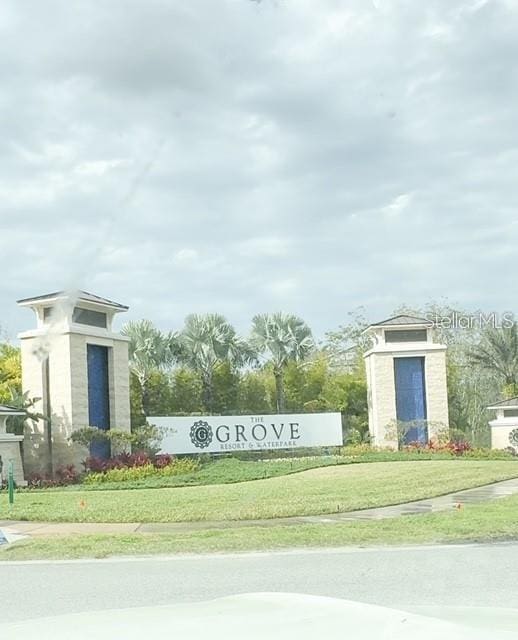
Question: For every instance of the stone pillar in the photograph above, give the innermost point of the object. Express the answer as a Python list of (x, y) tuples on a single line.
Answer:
[(406, 381), (10, 447), (79, 368), (504, 428)]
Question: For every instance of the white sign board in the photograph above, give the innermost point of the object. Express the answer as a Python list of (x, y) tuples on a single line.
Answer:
[(211, 434)]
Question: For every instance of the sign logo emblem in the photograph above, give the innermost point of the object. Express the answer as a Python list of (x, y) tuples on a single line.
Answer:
[(201, 434), (513, 437)]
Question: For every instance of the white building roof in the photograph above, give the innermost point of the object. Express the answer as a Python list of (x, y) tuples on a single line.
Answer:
[(510, 403), (80, 295), (6, 410), (403, 321)]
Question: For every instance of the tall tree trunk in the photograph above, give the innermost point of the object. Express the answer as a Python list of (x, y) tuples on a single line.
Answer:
[(144, 395), (207, 393), (279, 389)]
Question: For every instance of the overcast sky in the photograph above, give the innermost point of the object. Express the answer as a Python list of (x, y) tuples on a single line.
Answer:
[(245, 157)]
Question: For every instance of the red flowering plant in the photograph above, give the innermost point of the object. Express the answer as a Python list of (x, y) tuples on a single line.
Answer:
[(127, 461), (63, 475), (434, 445)]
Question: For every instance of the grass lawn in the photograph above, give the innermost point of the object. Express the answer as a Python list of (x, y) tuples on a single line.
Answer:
[(318, 491), (223, 471), (495, 520), (231, 470)]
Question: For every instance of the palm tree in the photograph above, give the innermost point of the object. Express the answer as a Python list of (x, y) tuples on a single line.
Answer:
[(206, 342), (498, 353), (150, 350), (21, 400), (285, 338)]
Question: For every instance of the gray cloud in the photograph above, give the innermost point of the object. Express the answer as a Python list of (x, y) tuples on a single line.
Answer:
[(243, 157)]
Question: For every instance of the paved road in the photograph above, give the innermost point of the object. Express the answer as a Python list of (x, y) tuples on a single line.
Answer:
[(479, 575)]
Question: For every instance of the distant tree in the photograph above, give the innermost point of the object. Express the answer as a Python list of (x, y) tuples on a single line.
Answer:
[(11, 389), (226, 383), (10, 372), (256, 393), (345, 346), (150, 350), (180, 392), (318, 385), (497, 353), (137, 416), (470, 390), (347, 392), (206, 343), (160, 393), (282, 338), (186, 391)]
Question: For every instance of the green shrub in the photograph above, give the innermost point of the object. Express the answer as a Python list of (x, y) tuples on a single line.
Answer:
[(130, 474), (365, 449), (147, 437), (430, 451), (272, 454), (489, 454), (144, 438), (357, 449), (87, 435)]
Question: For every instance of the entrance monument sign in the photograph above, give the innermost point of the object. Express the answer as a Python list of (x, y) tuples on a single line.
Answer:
[(76, 368), (220, 434)]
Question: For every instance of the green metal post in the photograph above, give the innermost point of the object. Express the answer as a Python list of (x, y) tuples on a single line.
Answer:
[(10, 482)]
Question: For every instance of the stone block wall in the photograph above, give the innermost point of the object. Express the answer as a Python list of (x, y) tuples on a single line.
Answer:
[(382, 395), (68, 377), (436, 393)]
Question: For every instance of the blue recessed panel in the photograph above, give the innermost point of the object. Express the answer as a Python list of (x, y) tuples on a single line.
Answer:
[(411, 398), (98, 396)]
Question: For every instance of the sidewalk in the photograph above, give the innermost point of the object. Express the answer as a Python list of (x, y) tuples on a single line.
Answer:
[(13, 529)]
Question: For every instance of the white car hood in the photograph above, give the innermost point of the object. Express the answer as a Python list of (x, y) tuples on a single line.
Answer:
[(267, 616)]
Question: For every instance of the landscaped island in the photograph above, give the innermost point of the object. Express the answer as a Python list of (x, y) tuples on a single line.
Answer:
[(330, 489)]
